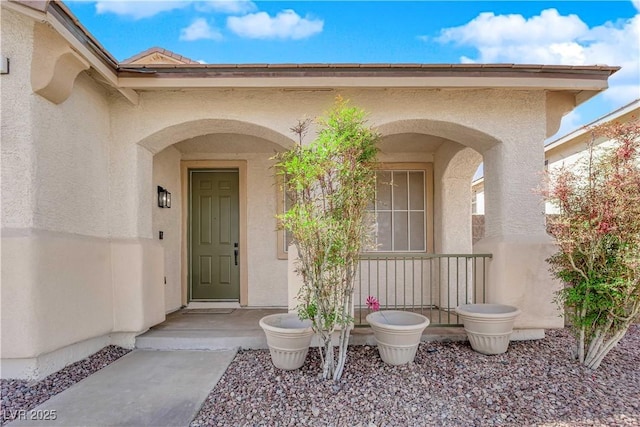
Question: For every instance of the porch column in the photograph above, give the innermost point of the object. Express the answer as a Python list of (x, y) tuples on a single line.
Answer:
[(137, 258), (515, 232), (454, 168)]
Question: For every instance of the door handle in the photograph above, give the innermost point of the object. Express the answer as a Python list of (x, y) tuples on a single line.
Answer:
[(235, 253)]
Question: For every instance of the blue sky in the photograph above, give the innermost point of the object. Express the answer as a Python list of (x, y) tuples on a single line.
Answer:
[(231, 31)]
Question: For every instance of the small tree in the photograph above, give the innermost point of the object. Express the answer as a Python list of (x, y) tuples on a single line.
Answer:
[(330, 182), (598, 235)]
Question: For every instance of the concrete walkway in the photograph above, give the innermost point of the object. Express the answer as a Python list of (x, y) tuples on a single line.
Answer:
[(143, 388)]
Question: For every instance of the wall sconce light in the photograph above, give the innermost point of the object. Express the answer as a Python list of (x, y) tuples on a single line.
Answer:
[(164, 198), (4, 65)]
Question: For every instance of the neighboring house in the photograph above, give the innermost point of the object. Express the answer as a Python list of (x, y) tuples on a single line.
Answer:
[(566, 150), (88, 256), (158, 55)]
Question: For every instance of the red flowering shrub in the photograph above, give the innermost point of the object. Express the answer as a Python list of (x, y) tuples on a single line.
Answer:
[(598, 236)]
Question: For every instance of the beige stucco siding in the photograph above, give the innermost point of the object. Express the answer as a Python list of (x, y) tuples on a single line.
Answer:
[(17, 126), (59, 275), (72, 153), (55, 209), (166, 173), (477, 118)]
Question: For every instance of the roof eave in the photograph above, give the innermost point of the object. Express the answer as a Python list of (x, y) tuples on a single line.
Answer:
[(586, 80), (585, 87)]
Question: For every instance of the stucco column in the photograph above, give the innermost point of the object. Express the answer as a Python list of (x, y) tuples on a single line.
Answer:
[(515, 231), (453, 170), (137, 259)]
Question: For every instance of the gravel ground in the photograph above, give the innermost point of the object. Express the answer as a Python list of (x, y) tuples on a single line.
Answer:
[(534, 383), (25, 395)]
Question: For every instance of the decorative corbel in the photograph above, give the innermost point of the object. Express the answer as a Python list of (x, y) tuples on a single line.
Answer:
[(53, 77), (54, 64), (558, 104)]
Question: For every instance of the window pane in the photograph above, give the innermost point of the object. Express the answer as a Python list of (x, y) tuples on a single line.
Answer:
[(384, 232), (399, 211), (417, 231), (370, 238), (400, 191), (383, 190), (416, 190), (400, 231)]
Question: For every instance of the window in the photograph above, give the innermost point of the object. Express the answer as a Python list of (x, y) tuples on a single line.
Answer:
[(474, 203), (402, 211), (283, 204)]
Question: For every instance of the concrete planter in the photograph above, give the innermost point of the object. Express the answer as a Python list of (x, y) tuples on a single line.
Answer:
[(398, 334), (288, 338), (488, 326)]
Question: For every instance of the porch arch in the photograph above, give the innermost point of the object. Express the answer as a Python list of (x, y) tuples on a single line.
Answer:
[(478, 140), (457, 153), (172, 134)]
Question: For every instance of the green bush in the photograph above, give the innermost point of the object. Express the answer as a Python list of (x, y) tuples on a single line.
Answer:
[(330, 183)]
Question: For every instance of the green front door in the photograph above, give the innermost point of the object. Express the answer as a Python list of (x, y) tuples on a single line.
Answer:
[(214, 270)]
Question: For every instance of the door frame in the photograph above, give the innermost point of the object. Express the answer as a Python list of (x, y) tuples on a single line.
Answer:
[(236, 165)]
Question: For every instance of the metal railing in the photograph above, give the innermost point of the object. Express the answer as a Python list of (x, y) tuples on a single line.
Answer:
[(430, 284)]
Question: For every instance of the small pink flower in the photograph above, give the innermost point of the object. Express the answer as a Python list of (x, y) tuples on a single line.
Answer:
[(373, 303), (604, 227)]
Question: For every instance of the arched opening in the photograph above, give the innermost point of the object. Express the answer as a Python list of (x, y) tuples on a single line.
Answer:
[(161, 139), (423, 224), (222, 237), (454, 153)]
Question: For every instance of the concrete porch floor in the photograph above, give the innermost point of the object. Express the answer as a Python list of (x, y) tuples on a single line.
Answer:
[(222, 329)]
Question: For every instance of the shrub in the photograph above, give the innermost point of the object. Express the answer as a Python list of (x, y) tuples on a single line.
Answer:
[(598, 236), (330, 182)]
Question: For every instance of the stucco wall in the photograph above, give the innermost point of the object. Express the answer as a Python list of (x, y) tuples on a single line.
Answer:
[(58, 268), (18, 157), (480, 118), (166, 173), (54, 210), (50, 281), (72, 152)]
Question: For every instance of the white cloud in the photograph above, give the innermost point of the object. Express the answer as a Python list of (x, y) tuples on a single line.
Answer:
[(551, 38), (200, 30), (138, 9), (547, 38), (285, 25), (231, 7), (636, 4)]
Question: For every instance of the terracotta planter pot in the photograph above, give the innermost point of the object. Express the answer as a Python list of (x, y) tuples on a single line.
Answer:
[(398, 334), (488, 326), (288, 338)]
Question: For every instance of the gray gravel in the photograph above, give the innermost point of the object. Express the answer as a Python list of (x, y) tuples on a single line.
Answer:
[(24, 395), (534, 383)]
